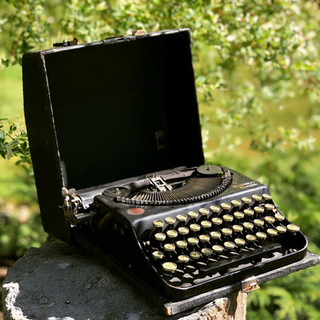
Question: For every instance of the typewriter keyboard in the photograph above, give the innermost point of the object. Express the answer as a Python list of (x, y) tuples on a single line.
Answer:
[(222, 239)]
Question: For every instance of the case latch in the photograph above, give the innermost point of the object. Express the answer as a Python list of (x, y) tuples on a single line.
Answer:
[(250, 284), (66, 43), (137, 32)]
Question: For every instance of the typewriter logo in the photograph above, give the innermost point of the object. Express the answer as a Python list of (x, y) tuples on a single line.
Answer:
[(245, 185), (135, 211)]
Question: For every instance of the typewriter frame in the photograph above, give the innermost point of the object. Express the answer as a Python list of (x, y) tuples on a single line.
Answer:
[(63, 96)]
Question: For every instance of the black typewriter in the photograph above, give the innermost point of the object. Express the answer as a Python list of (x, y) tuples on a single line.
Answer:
[(115, 141), (190, 230)]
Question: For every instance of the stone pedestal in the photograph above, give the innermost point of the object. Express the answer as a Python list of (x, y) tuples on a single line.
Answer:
[(62, 282)]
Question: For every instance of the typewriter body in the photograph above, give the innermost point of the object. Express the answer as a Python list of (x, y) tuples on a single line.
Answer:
[(116, 146)]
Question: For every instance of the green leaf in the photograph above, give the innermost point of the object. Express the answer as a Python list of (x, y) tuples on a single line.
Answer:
[(2, 136), (5, 62), (13, 127)]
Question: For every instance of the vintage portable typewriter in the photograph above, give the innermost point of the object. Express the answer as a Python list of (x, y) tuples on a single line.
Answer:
[(116, 146)]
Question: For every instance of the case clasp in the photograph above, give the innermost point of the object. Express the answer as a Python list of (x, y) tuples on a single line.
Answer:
[(66, 43), (249, 284), (137, 32)]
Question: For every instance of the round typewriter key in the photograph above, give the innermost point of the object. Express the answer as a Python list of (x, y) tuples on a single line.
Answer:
[(238, 215), (239, 242), (236, 203), (256, 197), (193, 214), (206, 252), (258, 222), (183, 258), (269, 219), (281, 229), (195, 255), (204, 238), (160, 236), (205, 224), (261, 236), (248, 212), (181, 244), (169, 247), (158, 224), (172, 234), (279, 217), (194, 227), (248, 225), (246, 200), (215, 209), (225, 206), (272, 232), (215, 235), (293, 228), (269, 206), (258, 210), (183, 231), (217, 248), (170, 220), (203, 211), (216, 221), (227, 217), (169, 266), (193, 241), (157, 255), (181, 218), (251, 238), (226, 231), (266, 197), (229, 245), (237, 228)]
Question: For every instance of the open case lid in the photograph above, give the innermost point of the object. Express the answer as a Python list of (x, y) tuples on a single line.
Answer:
[(109, 110)]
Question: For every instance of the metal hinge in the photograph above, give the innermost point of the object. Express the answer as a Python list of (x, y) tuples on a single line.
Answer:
[(250, 284)]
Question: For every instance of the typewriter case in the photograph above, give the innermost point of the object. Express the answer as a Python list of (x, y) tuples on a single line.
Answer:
[(107, 111), (105, 114)]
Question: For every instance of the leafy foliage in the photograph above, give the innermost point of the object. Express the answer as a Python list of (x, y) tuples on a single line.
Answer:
[(14, 142), (17, 236), (24, 24), (276, 41), (292, 297), (257, 75)]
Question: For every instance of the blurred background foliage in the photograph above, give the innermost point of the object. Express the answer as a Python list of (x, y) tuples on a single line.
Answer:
[(257, 69)]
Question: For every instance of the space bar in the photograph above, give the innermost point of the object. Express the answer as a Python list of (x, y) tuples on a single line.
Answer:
[(241, 258)]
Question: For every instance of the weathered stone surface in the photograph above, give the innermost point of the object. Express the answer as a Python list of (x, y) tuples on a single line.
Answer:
[(62, 282)]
